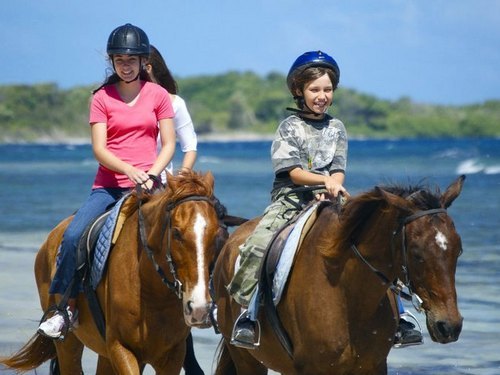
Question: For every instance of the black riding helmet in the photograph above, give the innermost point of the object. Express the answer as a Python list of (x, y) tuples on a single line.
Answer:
[(128, 40), (310, 59)]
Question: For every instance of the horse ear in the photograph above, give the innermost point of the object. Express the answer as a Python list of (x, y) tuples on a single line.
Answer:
[(452, 192), (394, 200), (209, 178), (170, 181)]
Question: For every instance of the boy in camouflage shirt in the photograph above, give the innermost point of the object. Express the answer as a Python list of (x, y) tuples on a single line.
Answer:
[(310, 148)]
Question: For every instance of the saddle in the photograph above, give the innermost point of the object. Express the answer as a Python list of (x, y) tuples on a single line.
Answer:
[(283, 248), (270, 287), (93, 251)]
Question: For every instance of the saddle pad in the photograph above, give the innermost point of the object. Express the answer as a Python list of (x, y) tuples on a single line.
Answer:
[(287, 257), (107, 237)]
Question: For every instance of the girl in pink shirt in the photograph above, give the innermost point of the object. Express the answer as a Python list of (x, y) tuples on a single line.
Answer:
[(126, 115)]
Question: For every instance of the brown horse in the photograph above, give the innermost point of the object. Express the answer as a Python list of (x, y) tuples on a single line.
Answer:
[(149, 303), (336, 309)]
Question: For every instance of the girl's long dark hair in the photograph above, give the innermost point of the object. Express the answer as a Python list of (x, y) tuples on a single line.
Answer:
[(161, 72)]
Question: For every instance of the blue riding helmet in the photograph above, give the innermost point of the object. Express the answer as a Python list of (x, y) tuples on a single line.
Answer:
[(128, 40), (309, 59)]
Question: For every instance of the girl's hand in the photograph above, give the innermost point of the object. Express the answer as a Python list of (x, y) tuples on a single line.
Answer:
[(148, 185), (136, 175)]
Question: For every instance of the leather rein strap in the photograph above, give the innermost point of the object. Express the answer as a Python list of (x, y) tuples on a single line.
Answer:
[(407, 282), (176, 284)]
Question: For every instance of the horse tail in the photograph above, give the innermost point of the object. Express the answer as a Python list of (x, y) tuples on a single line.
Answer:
[(225, 364), (34, 353)]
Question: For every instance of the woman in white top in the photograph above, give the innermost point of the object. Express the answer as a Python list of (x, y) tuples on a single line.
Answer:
[(184, 129)]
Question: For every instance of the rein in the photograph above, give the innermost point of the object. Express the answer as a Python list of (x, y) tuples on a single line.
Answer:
[(176, 284), (396, 287)]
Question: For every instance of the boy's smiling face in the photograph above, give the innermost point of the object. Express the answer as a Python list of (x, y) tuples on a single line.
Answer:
[(318, 95)]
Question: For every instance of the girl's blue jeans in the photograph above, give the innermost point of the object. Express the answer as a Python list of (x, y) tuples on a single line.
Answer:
[(98, 202)]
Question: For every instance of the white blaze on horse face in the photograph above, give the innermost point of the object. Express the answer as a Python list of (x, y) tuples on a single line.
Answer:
[(441, 240), (198, 296)]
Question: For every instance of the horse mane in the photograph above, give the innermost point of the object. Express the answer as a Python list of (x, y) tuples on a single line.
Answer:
[(180, 186), (357, 211), (187, 184)]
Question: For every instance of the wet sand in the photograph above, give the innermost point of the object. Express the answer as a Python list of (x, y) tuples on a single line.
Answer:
[(476, 352)]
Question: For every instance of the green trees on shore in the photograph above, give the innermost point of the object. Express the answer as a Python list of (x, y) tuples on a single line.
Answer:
[(237, 102)]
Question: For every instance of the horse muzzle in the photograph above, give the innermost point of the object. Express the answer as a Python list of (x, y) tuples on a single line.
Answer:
[(444, 331), (197, 315)]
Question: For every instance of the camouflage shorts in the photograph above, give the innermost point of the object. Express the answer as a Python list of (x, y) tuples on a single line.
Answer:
[(252, 251)]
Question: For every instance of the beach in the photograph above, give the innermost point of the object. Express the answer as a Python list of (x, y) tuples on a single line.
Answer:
[(44, 183)]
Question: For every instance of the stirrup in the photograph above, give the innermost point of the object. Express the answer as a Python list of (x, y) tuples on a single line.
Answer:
[(242, 344), (408, 314), (69, 324), (416, 327)]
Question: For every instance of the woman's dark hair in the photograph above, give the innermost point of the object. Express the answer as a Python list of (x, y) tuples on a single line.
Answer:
[(161, 72)]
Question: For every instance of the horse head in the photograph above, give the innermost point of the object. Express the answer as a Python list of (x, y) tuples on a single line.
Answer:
[(182, 228), (428, 247)]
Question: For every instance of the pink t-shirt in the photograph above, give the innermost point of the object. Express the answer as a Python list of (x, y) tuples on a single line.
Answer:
[(131, 130)]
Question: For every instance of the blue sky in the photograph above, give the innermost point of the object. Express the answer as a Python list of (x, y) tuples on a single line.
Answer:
[(432, 51)]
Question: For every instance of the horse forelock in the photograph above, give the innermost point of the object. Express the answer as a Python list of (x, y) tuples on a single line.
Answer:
[(422, 196), (189, 184)]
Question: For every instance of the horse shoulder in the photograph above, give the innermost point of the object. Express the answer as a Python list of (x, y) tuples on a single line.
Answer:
[(224, 265), (45, 257)]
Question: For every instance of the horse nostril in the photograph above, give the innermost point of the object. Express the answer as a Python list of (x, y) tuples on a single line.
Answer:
[(189, 306), (448, 330)]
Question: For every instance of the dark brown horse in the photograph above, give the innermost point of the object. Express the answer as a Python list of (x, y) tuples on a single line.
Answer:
[(336, 309), (149, 303)]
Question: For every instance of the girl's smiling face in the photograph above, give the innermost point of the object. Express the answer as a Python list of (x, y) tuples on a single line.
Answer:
[(127, 66), (318, 94)]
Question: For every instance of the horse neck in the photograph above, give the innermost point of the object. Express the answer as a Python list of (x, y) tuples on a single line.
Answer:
[(150, 279), (362, 288)]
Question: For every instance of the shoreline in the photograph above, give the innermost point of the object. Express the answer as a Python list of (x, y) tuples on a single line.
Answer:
[(211, 137), (208, 138)]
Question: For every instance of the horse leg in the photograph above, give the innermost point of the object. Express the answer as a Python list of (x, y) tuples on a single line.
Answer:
[(171, 363), (245, 363), (69, 356), (225, 364), (382, 368), (191, 365), (236, 361), (104, 366), (122, 359)]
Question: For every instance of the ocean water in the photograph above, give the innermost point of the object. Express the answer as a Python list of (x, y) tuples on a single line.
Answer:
[(42, 184)]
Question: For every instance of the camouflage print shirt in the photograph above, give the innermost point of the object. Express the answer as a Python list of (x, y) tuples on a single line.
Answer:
[(317, 146)]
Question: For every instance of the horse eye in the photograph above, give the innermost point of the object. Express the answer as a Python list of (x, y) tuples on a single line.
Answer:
[(177, 234), (417, 257)]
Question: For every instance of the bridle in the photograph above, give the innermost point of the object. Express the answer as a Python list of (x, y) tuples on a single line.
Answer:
[(398, 286), (176, 284)]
